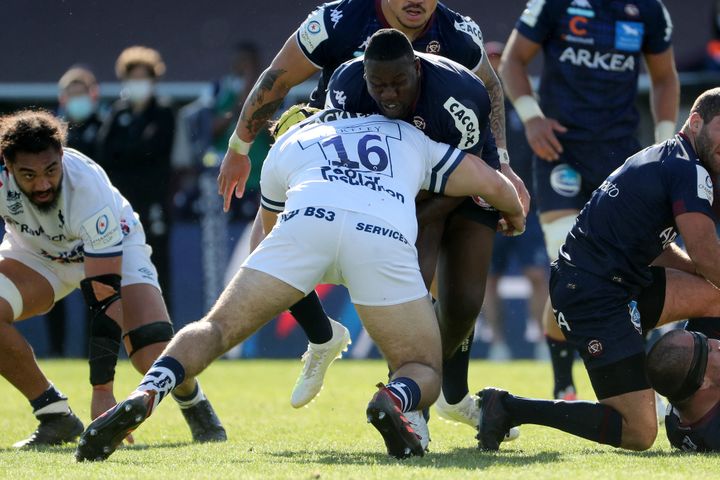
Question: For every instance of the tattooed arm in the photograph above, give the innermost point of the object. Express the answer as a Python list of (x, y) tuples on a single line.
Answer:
[(289, 68), (487, 74)]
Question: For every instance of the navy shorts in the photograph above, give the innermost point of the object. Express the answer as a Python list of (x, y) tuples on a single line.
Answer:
[(569, 182), (528, 248), (478, 211), (600, 318)]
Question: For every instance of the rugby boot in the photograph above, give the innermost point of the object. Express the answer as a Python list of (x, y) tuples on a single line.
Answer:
[(467, 411), (54, 429), (400, 439), (419, 425), (106, 433), (204, 424), (494, 418), (317, 359)]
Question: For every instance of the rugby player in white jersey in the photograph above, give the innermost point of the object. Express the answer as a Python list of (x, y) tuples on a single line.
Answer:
[(338, 202), (67, 226)]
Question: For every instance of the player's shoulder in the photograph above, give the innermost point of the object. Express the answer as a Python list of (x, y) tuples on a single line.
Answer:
[(462, 26), (82, 173), (334, 20), (446, 74)]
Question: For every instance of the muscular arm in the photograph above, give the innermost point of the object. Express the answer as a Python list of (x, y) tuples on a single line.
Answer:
[(702, 244), (513, 66), (665, 86), (675, 257), (497, 100)]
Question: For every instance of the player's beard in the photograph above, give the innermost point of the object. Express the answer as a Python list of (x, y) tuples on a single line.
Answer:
[(705, 149), (47, 205)]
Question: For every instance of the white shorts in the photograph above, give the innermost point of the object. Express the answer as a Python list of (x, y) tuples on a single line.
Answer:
[(65, 277), (315, 245)]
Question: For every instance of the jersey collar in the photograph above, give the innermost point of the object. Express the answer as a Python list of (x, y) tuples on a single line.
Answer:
[(688, 146)]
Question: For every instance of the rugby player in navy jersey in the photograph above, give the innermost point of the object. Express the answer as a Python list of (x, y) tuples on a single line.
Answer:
[(332, 34), (619, 275), (585, 124)]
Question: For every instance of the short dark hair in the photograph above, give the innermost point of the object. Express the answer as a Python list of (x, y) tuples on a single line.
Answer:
[(707, 105), (389, 44), (668, 363), (30, 131)]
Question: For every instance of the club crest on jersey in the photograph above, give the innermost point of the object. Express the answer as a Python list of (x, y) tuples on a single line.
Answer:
[(313, 32), (433, 47), (419, 122), (595, 348), (465, 121), (471, 29)]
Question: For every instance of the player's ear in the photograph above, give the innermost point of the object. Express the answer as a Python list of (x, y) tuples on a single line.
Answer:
[(696, 122)]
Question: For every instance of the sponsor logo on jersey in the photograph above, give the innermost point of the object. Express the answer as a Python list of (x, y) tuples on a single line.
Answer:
[(313, 32), (578, 26), (382, 231), (102, 229), (471, 28), (635, 316), (353, 177), (610, 62), (433, 47), (668, 236), (610, 188), (629, 36), (704, 184), (581, 7), (76, 255), (565, 180), (146, 273), (419, 122), (465, 121)]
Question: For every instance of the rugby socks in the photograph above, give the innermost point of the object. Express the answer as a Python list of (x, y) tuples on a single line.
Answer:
[(312, 319), (562, 356), (50, 401), (406, 392), (191, 400), (709, 326), (455, 372), (593, 421), (164, 375)]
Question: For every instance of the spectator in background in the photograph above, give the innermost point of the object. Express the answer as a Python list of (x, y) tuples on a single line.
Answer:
[(135, 144), (528, 249), (78, 95), (713, 46)]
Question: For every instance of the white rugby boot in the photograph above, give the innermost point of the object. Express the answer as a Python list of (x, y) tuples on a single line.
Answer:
[(660, 408), (318, 358), (419, 424), (467, 411)]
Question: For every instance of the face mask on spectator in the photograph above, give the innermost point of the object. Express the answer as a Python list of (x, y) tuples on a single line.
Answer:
[(79, 108), (137, 91)]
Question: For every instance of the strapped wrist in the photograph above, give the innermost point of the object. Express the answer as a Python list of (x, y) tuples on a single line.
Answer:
[(237, 145), (664, 130), (504, 156), (527, 107)]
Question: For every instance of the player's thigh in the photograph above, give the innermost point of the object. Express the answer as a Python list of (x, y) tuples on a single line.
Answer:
[(35, 290), (428, 248), (142, 304), (688, 295), (405, 333)]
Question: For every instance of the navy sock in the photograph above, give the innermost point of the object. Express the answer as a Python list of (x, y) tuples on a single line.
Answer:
[(709, 326), (562, 356), (455, 372), (51, 395), (406, 391), (162, 377), (593, 421), (312, 318)]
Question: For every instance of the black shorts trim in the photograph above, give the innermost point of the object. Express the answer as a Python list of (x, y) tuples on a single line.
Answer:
[(625, 376), (651, 300)]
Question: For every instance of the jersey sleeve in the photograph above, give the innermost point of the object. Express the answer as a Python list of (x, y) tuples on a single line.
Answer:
[(537, 20), (317, 34), (441, 160), (659, 28), (273, 189), (473, 50), (344, 87), (690, 187), (95, 218)]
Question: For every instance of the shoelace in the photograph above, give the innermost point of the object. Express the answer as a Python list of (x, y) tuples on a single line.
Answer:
[(312, 364)]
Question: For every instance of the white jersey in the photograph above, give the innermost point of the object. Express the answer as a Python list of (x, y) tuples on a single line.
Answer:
[(372, 165), (91, 217)]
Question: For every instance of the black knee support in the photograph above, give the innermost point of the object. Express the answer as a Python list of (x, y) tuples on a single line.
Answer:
[(105, 334), (145, 335)]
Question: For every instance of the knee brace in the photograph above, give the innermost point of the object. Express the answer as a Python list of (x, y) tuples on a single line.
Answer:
[(105, 334), (12, 295), (555, 233), (145, 335)]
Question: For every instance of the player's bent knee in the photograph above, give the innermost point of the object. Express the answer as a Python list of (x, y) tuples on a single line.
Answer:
[(555, 233), (10, 293), (639, 435), (149, 334)]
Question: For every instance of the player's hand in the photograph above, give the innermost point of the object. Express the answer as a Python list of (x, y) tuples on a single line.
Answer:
[(511, 225), (102, 401), (234, 172), (540, 133), (519, 185)]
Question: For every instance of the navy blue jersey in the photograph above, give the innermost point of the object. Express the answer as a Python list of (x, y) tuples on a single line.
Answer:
[(592, 54), (701, 436), (630, 218), (452, 106), (339, 31)]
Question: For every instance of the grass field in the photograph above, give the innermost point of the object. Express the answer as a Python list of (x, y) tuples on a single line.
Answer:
[(329, 438)]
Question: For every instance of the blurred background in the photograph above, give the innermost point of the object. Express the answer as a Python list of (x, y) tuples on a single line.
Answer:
[(212, 53)]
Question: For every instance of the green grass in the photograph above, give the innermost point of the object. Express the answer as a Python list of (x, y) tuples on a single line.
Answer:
[(329, 439)]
